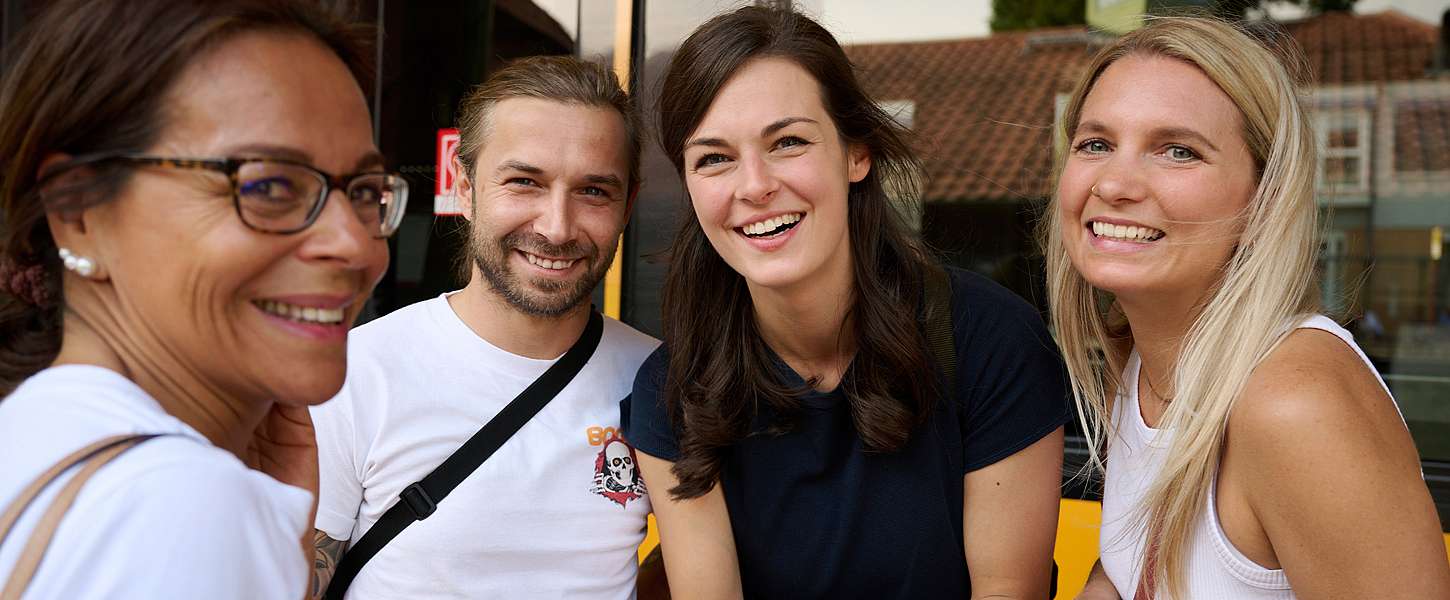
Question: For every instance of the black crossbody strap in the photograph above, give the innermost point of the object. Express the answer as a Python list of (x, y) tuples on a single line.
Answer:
[(420, 499)]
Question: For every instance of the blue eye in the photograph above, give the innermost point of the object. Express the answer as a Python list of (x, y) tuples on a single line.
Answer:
[(1093, 146), (1182, 153)]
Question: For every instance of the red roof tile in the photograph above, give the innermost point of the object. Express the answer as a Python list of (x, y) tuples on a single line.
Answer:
[(984, 107), (1344, 48)]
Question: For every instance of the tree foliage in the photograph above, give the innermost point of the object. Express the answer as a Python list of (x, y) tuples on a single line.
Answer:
[(1236, 9), (1010, 15)]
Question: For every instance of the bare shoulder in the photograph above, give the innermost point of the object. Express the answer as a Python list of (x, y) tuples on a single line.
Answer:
[(1314, 393)]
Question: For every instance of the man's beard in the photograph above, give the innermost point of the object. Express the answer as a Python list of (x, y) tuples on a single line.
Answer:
[(540, 297)]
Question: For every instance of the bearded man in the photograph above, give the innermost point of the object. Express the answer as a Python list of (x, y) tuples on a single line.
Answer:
[(548, 169)]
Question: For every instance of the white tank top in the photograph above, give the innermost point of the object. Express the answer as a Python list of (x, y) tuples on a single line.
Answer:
[(1214, 568)]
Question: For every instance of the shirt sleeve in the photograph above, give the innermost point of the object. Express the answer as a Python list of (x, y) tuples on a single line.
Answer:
[(1011, 382), (339, 490), (642, 414)]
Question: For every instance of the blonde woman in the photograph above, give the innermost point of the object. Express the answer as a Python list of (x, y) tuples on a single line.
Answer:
[(1251, 450)]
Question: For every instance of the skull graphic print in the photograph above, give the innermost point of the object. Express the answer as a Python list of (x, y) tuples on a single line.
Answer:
[(616, 476)]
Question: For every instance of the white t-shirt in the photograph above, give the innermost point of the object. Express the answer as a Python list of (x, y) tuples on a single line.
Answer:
[(557, 512), (173, 517)]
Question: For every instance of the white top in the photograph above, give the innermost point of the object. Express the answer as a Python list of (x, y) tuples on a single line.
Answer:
[(1215, 568), (557, 512), (173, 517)]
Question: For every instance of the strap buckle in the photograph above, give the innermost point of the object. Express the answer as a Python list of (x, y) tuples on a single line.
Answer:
[(418, 501)]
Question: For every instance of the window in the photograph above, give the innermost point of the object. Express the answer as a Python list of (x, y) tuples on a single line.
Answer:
[(1344, 162)]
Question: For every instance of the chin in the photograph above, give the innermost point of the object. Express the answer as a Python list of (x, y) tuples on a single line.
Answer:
[(310, 386), (774, 276)]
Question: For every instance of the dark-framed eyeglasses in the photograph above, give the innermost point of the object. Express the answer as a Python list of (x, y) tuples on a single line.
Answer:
[(274, 195)]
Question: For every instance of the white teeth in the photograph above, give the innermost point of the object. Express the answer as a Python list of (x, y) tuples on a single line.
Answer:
[(554, 265), (1125, 232), (771, 224), (307, 314)]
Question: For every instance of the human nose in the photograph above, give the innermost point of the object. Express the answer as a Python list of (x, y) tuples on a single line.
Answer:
[(556, 222), (1120, 179), (757, 183), (339, 233)]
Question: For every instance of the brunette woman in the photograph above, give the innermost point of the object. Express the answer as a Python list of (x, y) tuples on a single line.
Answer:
[(799, 435), (193, 213)]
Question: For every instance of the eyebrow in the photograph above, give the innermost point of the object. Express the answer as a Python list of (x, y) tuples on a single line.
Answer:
[(783, 123), (523, 167), (1156, 133), (764, 132), (373, 158), (271, 151), (517, 165), (609, 180), (1183, 132)]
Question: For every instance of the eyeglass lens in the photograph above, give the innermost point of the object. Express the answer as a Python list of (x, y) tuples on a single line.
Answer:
[(283, 197)]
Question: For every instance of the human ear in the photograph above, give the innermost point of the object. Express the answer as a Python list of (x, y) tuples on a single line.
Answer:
[(70, 222), (858, 158), (463, 188)]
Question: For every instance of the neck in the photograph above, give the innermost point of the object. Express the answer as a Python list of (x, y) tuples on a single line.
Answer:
[(1159, 329), (499, 323), (93, 335), (807, 324)]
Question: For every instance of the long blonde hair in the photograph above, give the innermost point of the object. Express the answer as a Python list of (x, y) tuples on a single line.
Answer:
[(1266, 287)]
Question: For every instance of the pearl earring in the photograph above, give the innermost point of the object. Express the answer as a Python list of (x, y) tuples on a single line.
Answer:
[(82, 266)]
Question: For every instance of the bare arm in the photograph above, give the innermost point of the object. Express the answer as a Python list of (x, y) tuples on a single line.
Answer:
[(1098, 586), (1009, 521), (326, 554), (1331, 478), (695, 537)]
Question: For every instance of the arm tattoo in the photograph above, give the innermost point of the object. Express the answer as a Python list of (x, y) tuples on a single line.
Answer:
[(325, 557)]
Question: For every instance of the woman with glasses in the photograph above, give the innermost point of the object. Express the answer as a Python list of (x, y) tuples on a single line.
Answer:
[(193, 213)]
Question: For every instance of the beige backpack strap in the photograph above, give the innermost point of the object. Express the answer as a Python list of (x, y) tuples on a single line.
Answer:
[(91, 458)]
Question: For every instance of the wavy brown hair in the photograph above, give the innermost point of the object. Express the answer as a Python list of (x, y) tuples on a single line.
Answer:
[(91, 76), (721, 373)]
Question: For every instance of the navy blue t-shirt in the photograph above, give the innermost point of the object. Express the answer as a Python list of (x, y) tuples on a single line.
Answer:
[(814, 515)]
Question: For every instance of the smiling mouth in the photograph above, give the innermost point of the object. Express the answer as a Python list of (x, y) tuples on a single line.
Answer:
[(550, 264), (771, 227), (301, 314), (1124, 233)]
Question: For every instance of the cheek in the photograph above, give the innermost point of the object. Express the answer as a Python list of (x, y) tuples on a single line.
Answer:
[(602, 223), (378, 259), (1072, 189), (498, 214), (711, 204)]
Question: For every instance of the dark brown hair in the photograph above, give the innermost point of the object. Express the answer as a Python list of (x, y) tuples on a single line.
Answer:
[(721, 373), (91, 76), (563, 79)]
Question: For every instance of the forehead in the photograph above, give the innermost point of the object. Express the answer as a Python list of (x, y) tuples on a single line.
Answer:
[(761, 92), (544, 132), (1158, 91), (274, 89)]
